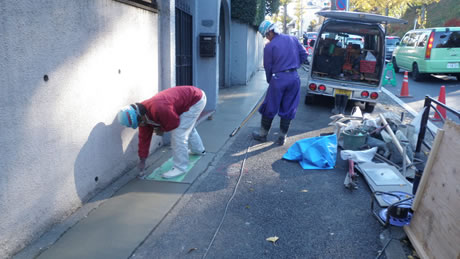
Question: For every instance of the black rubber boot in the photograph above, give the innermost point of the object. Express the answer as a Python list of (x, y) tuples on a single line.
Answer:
[(265, 125), (284, 127), (336, 109), (340, 103)]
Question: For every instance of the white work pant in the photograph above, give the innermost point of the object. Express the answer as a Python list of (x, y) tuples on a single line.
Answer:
[(186, 131)]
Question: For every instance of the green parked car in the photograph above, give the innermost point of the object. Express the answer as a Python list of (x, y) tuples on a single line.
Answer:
[(429, 51)]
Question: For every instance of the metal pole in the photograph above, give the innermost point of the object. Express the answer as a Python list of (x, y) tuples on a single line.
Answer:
[(404, 160), (301, 29), (256, 108), (424, 121)]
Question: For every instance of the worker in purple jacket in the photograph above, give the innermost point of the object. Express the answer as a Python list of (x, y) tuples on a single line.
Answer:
[(282, 56)]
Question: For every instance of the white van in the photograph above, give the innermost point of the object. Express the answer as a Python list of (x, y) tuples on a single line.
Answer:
[(349, 57)]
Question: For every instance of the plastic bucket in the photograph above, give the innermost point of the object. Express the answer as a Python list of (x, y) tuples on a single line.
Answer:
[(353, 141)]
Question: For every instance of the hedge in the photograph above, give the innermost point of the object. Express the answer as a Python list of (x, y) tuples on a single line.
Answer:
[(253, 12)]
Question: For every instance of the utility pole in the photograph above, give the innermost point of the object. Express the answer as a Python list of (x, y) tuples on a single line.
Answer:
[(299, 13)]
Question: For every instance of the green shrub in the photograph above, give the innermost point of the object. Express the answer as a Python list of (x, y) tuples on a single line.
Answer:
[(244, 11), (253, 12)]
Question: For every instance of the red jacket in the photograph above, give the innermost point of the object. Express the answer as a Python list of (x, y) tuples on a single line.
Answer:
[(165, 108)]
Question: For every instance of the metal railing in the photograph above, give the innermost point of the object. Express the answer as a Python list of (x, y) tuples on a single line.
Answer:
[(430, 103)]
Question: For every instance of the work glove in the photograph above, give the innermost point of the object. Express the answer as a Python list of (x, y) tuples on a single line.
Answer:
[(158, 131)]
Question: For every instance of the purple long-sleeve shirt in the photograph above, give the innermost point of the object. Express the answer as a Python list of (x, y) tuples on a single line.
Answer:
[(283, 52)]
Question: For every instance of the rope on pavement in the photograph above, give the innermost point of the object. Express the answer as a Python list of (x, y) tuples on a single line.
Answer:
[(229, 200)]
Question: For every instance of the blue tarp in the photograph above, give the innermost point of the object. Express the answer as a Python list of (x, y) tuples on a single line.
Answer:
[(314, 153)]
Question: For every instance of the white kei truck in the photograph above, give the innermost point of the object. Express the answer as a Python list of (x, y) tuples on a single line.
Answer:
[(348, 61)]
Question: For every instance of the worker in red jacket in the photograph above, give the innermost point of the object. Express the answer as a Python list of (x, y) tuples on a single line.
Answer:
[(175, 109)]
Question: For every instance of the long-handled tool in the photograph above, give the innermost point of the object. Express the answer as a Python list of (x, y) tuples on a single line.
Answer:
[(256, 107)]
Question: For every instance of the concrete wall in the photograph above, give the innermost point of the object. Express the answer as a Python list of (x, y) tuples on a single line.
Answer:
[(206, 18), (255, 52), (239, 51), (206, 68), (247, 52), (167, 44), (66, 67)]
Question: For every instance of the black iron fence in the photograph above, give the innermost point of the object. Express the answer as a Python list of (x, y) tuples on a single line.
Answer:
[(184, 47), (431, 103)]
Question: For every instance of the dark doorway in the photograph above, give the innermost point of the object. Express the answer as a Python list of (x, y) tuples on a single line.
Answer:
[(222, 48), (184, 41)]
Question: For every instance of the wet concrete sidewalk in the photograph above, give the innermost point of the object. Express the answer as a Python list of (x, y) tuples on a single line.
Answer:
[(310, 211), (116, 221)]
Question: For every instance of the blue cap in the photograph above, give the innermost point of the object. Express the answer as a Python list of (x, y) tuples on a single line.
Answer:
[(127, 116), (265, 27)]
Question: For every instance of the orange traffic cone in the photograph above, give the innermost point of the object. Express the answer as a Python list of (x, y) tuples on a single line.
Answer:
[(405, 87), (441, 99)]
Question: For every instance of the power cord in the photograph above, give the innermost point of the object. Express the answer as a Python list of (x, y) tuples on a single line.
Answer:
[(228, 202), (391, 238), (384, 247)]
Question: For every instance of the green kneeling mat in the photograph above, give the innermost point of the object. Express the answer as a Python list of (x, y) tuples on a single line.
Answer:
[(168, 165)]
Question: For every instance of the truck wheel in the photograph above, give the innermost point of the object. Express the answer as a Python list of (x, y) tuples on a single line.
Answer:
[(369, 107), (309, 99), (395, 66)]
